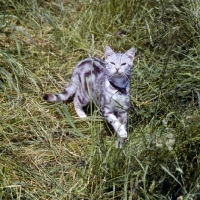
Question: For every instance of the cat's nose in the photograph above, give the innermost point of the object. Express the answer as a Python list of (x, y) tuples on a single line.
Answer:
[(117, 69)]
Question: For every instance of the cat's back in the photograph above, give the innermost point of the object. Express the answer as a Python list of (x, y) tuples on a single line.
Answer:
[(88, 66)]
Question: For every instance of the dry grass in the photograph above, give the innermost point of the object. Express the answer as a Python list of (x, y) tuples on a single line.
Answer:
[(47, 152)]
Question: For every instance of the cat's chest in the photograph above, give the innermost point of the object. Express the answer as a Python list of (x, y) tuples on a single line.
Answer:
[(116, 99)]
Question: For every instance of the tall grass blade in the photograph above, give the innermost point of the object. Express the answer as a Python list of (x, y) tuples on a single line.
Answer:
[(26, 34), (168, 172)]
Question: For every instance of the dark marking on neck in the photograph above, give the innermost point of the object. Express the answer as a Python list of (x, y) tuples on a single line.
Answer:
[(122, 90)]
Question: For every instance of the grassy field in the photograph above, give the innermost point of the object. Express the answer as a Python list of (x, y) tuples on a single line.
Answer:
[(46, 152)]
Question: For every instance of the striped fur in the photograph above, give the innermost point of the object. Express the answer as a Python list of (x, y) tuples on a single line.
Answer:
[(105, 82)]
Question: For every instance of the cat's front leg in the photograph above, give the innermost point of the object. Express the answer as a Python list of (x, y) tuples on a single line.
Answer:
[(118, 123), (122, 117)]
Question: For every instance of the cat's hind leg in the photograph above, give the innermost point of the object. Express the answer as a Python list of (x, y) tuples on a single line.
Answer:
[(79, 103), (80, 112)]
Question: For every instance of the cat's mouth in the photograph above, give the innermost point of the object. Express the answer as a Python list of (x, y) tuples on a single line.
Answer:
[(118, 74)]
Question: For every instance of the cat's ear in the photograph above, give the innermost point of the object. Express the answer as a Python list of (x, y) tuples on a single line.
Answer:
[(108, 51), (131, 53)]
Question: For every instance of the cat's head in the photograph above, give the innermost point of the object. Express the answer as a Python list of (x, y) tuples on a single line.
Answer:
[(119, 64)]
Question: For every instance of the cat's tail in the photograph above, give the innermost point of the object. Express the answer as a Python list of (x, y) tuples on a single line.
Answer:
[(68, 92)]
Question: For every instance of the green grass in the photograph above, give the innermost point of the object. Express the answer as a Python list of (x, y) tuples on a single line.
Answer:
[(46, 152)]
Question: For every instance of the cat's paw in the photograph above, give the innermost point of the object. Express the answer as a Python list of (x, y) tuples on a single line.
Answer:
[(120, 142), (122, 133)]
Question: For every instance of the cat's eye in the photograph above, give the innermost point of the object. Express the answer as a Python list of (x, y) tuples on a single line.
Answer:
[(123, 64), (112, 63)]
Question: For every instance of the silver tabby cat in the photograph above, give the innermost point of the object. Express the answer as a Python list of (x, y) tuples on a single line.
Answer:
[(105, 82)]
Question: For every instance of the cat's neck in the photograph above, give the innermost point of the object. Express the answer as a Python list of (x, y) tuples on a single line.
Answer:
[(119, 83), (120, 89)]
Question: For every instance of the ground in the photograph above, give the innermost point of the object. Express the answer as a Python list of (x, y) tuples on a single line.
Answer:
[(49, 153)]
